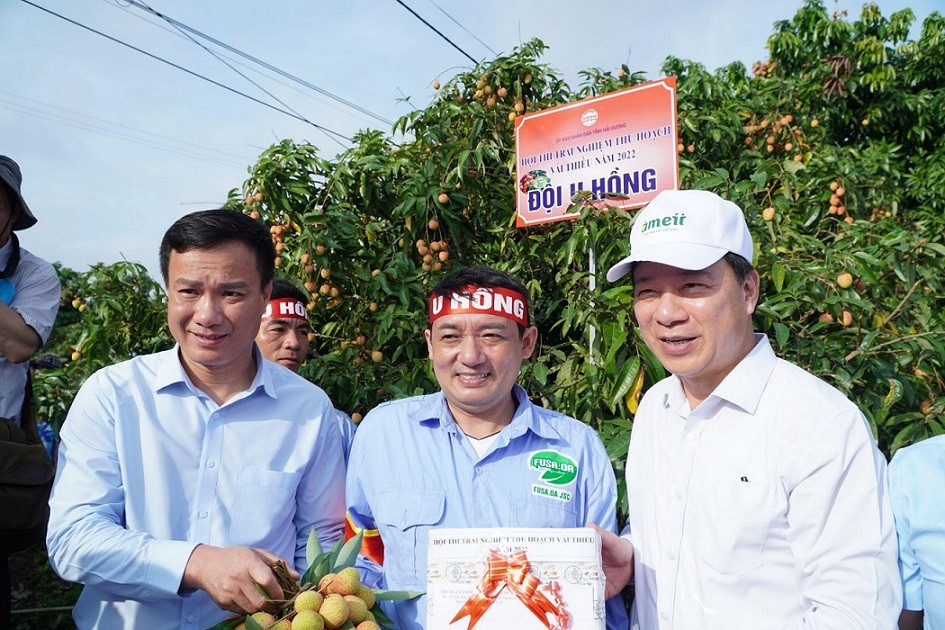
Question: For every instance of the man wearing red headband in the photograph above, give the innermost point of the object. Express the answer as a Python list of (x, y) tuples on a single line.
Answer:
[(283, 339), (470, 455)]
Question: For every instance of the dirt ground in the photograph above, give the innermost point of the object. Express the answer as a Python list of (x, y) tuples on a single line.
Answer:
[(36, 587)]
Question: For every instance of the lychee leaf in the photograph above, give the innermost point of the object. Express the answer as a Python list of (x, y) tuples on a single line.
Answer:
[(252, 624), (349, 552), (381, 617), (391, 596), (229, 624), (312, 548), (335, 550), (316, 570), (262, 592)]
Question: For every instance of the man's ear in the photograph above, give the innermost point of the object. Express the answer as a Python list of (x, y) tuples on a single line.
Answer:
[(751, 287), (529, 339)]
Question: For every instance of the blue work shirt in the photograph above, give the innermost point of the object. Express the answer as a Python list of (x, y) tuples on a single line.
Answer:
[(150, 467), (917, 490), (412, 469)]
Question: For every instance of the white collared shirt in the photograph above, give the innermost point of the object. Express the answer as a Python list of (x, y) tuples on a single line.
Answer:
[(765, 507)]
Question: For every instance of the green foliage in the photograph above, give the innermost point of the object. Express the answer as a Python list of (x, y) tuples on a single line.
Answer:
[(106, 315), (843, 106)]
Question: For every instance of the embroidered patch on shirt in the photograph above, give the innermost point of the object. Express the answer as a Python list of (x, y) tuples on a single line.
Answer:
[(556, 469)]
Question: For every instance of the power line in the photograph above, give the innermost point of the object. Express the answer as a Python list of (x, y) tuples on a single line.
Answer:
[(77, 124), (113, 4), (190, 72), (433, 28), (268, 66), (110, 127), (228, 65), (462, 27)]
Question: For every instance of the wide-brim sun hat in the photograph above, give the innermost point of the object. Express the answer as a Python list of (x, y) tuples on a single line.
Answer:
[(13, 178)]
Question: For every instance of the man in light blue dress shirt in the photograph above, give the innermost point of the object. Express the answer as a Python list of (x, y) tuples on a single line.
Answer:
[(917, 490), (471, 455), (184, 474)]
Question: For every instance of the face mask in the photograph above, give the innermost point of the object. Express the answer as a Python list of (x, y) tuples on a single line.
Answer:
[(7, 291)]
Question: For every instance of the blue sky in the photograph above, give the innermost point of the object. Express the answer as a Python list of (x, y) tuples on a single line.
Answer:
[(115, 146)]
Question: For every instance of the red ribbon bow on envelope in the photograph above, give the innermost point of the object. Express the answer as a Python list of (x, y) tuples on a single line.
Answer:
[(510, 571)]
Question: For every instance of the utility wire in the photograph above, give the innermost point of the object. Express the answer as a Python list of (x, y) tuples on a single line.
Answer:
[(433, 28), (180, 25), (78, 124), (231, 67), (190, 72), (462, 27), (34, 107), (115, 5)]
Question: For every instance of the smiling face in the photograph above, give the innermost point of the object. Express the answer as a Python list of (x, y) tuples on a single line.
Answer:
[(697, 323), (213, 308), (284, 341), (476, 359)]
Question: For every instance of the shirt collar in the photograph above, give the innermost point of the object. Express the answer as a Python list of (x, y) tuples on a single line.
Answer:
[(743, 386), (435, 412), (171, 372)]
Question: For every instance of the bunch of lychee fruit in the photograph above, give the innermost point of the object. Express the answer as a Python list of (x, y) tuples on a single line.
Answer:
[(338, 598)]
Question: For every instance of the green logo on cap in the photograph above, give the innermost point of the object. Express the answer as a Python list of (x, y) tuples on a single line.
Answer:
[(557, 469), (676, 219)]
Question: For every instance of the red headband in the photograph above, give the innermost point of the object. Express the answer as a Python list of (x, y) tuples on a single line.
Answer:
[(481, 301), (285, 308)]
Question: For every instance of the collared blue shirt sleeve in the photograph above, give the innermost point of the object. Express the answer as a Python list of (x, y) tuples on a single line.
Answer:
[(917, 491)]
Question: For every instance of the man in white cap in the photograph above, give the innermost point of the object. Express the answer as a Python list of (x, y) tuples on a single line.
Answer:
[(757, 496)]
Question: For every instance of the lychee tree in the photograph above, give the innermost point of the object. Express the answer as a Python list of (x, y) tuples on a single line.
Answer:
[(834, 147)]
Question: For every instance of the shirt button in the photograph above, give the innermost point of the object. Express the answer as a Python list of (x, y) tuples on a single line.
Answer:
[(216, 416), (664, 616), (691, 436), (679, 495), (203, 514), (672, 555), (191, 619), (211, 464), (478, 470)]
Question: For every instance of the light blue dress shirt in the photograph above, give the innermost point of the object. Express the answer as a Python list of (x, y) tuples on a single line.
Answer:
[(150, 467), (917, 488), (412, 469)]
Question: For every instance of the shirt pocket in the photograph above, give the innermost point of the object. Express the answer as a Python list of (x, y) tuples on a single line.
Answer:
[(737, 519), (538, 512), (406, 516), (264, 506)]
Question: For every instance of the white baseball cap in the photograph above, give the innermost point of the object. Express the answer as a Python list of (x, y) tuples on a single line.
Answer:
[(687, 229)]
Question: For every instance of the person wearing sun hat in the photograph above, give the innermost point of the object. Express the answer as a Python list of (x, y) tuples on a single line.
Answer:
[(29, 293), (756, 494), (29, 301)]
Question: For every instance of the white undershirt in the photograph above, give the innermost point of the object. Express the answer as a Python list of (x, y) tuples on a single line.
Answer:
[(481, 445)]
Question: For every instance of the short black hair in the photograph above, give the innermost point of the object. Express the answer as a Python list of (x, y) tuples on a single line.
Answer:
[(285, 289), (486, 277), (207, 229), (739, 265)]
